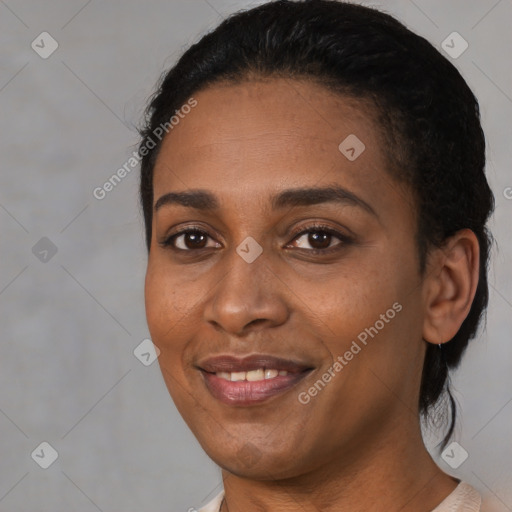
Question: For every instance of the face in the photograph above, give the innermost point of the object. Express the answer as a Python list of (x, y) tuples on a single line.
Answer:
[(282, 245)]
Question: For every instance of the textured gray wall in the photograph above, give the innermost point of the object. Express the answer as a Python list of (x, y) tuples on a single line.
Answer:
[(70, 321)]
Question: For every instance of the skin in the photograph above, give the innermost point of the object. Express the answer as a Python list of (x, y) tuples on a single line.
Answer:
[(357, 445)]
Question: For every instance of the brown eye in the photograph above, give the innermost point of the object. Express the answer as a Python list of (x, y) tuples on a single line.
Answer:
[(319, 239), (188, 240), (193, 240)]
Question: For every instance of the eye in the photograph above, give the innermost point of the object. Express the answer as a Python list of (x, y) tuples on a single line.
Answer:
[(188, 240), (321, 239)]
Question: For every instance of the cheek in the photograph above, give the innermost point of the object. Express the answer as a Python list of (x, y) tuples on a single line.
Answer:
[(376, 321), (167, 294), (165, 306), (166, 313), (371, 302), (156, 298), (352, 298), (174, 307)]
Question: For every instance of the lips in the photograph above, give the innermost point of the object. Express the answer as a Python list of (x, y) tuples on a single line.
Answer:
[(250, 380), (230, 364)]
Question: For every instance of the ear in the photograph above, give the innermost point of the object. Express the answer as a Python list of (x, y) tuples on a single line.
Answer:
[(450, 286)]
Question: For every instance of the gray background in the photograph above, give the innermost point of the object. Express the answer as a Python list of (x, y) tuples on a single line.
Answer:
[(69, 325)]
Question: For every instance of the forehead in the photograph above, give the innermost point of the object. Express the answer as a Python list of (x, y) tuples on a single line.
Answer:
[(272, 133)]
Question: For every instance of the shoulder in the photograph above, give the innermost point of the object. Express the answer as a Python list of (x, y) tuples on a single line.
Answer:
[(464, 498), (213, 505)]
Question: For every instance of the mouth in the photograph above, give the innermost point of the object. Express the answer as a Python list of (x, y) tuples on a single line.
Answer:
[(250, 380)]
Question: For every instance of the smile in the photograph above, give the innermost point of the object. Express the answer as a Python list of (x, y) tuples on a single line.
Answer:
[(250, 380), (250, 388)]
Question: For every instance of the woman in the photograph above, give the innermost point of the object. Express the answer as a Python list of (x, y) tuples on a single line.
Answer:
[(315, 203)]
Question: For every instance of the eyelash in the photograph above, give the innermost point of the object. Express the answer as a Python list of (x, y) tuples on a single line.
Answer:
[(315, 228)]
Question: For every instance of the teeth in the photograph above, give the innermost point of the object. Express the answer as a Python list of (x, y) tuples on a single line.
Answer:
[(253, 375), (270, 373)]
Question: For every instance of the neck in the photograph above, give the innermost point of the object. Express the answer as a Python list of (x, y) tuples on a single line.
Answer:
[(393, 472)]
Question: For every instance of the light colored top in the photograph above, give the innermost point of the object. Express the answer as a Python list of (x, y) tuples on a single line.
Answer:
[(463, 498)]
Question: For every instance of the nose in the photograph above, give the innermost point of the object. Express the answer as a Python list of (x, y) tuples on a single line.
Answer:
[(249, 297)]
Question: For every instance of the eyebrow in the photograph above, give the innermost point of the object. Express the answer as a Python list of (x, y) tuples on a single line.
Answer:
[(204, 200)]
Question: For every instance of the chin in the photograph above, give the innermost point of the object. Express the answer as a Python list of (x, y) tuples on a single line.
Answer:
[(250, 462)]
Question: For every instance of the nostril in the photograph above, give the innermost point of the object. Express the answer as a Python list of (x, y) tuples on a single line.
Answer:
[(256, 322)]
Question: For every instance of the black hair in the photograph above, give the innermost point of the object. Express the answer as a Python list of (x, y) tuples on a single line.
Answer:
[(425, 109)]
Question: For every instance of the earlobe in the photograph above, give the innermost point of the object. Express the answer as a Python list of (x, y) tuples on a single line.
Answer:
[(450, 286)]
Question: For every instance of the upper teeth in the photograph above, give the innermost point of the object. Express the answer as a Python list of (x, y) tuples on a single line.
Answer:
[(253, 375)]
